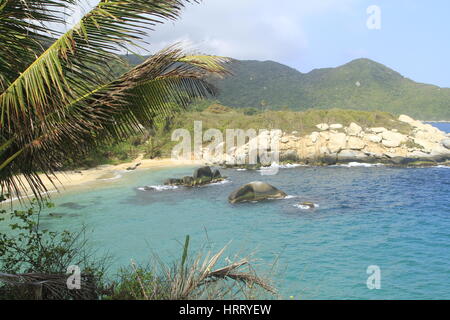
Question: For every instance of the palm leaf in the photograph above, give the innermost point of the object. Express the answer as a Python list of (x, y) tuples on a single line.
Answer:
[(156, 88)]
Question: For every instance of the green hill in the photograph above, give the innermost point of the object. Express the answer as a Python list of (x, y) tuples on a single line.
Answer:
[(361, 84)]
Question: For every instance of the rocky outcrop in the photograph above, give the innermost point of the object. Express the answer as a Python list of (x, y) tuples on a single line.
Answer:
[(256, 191), (334, 143), (202, 176)]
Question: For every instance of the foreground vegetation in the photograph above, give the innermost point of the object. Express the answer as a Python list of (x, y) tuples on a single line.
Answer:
[(34, 264)]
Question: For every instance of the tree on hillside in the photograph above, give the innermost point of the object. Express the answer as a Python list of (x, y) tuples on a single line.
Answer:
[(58, 96)]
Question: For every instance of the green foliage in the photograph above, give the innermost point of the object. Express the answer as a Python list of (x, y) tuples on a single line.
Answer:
[(71, 95), (360, 85), (27, 249)]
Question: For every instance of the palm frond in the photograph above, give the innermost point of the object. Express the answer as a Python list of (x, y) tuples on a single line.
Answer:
[(157, 88)]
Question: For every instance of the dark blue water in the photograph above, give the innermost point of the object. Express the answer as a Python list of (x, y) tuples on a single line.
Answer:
[(397, 219), (443, 126)]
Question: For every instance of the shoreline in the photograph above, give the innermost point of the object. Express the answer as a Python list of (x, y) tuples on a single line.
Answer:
[(66, 180)]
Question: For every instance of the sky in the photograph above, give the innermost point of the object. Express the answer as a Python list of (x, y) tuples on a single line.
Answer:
[(409, 36)]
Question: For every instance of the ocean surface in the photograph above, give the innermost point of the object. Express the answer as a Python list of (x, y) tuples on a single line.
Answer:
[(395, 218)]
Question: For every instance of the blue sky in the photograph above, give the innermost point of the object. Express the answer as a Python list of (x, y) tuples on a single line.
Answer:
[(309, 34)]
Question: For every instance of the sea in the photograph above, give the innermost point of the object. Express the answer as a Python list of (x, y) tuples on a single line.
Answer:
[(376, 232)]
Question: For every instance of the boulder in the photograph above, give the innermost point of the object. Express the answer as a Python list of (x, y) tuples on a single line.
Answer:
[(203, 172), (289, 155), (353, 129), (314, 137), (446, 143), (336, 126), (351, 155), (337, 142), (355, 143), (188, 180), (173, 182), (406, 119), (216, 174), (256, 191), (323, 126), (393, 139), (307, 204), (378, 130), (391, 143), (374, 138)]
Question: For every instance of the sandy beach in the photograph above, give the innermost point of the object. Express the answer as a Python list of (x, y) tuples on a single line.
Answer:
[(65, 180)]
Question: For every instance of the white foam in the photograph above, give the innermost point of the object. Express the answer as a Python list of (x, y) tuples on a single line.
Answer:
[(305, 207), (360, 165), (116, 177), (158, 188), (27, 196), (286, 166), (241, 169)]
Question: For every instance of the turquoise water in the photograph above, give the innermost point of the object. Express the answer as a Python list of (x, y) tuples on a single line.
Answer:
[(395, 218), (398, 219)]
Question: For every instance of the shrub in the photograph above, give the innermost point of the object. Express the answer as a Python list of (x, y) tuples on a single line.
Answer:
[(34, 262)]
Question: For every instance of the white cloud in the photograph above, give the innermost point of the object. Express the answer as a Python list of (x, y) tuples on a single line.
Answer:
[(245, 29)]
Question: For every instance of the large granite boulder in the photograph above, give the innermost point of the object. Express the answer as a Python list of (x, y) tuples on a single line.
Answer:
[(203, 172), (393, 139), (256, 191), (354, 129), (337, 142), (355, 143)]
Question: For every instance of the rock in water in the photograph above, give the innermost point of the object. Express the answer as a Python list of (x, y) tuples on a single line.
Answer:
[(256, 191), (216, 174), (188, 181), (310, 205), (203, 172), (173, 182)]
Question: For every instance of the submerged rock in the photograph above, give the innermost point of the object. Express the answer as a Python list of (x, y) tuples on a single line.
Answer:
[(256, 191), (72, 205)]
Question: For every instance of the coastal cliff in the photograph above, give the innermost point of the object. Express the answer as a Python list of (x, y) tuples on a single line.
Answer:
[(418, 144)]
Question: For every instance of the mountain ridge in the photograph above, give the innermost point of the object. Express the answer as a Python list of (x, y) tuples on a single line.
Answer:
[(360, 84)]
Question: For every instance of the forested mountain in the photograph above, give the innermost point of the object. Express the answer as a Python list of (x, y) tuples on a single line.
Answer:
[(361, 84)]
